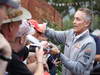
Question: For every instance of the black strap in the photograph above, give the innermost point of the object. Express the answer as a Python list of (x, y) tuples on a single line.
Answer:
[(5, 58)]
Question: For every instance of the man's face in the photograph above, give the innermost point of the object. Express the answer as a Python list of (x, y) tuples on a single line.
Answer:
[(3, 14), (19, 43), (80, 23), (14, 27)]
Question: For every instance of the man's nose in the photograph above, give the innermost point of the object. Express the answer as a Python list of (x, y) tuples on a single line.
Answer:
[(5, 15), (74, 21)]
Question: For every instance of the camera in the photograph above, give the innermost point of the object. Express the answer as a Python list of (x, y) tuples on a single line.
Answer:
[(32, 48)]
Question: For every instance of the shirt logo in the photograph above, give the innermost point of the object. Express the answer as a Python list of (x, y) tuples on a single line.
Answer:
[(77, 45)]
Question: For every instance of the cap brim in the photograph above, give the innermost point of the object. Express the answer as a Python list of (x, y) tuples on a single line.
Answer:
[(41, 27), (11, 3), (25, 15)]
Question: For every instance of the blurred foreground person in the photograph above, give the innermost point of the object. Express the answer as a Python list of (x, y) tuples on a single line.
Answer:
[(22, 52), (9, 29), (5, 49)]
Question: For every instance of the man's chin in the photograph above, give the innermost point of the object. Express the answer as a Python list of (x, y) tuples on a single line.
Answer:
[(75, 30)]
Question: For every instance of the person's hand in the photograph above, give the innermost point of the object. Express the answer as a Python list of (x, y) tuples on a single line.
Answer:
[(54, 50), (31, 58), (39, 54), (44, 44), (56, 62)]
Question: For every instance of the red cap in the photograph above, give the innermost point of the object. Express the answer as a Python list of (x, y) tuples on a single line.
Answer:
[(37, 26), (11, 3)]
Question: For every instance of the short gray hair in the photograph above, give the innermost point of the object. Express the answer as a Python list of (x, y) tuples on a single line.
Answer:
[(88, 13)]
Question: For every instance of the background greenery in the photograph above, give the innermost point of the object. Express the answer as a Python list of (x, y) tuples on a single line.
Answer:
[(75, 4)]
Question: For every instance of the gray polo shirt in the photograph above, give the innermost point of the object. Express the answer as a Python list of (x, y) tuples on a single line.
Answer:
[(79, 51)]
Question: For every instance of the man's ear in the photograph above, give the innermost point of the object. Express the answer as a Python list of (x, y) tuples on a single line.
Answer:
[(18, 39), (10, 27), (87, 23), (21, 40)]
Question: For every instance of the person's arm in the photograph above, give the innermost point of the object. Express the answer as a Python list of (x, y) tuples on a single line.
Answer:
[(32, 63), (32, 66), (5, 54), (39, 55), (83, 62), (59, 36), (97, 57), (3, 65), (5, 47)]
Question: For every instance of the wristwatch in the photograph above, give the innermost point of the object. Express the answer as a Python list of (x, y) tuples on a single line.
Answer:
[(5, 58)]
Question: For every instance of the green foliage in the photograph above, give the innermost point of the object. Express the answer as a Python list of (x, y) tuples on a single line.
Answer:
[(60, 9), (96, 22), (54, 26), (59, 70), (97, 5), (68, 22)]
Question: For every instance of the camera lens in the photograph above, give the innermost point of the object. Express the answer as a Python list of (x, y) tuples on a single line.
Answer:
[(32, 48)]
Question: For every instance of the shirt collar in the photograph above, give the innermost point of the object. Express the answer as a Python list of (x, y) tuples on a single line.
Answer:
[(83, 34)]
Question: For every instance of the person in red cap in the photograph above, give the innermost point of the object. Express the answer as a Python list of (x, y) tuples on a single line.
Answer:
[(38, 29), (38, 34)]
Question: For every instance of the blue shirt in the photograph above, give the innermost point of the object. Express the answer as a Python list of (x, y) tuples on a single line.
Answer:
[(97, 41)]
